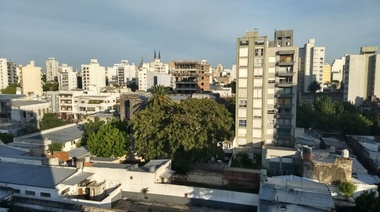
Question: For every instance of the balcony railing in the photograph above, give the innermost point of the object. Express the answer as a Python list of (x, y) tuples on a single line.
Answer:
[(285, 84), (283, 105)]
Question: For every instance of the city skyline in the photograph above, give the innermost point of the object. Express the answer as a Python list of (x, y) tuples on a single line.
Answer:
[(75, 32)]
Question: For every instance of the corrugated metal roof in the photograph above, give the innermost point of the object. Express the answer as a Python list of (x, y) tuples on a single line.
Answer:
[(30, 175)]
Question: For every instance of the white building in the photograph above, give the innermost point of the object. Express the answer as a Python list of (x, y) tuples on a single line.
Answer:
[(52, 69), (31, 80), (67, 78), (312, 60), (28, 112), (93, 74), (337, 69), (122, 74), (8, 74), (362, 76)]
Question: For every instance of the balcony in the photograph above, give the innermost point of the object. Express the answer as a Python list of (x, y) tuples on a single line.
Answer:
[(283, 126), (283, 115), (285, 84), (285, 95), (283, 105)]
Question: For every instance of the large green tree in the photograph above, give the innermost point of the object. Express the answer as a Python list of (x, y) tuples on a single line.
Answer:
[(50, 86), (368, 202), (89, 127), (190, 131), (6, 138), (232, 85), (314, 87), (51, 120), (55, 147), (108, 141)]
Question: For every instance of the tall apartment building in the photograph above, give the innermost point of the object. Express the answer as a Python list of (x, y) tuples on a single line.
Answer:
[(266, 88), (67, 78), (93, 74), (362, 75), (337, 69), (122, 74), (8, 73), (31, 80), (52, 69), (312, 60), (190, 76)]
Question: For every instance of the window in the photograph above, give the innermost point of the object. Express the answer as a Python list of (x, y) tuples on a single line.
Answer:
[(259, 52), (258, 62), (43, 194), (16, 191), (32, 193), (131, 177), (242, 123), (258, 72), (242, 103)]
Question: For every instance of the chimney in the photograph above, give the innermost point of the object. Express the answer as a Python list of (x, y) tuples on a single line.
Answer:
[(307, 154)]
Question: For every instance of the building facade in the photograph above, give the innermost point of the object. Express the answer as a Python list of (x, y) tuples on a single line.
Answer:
[(190, 76), (312, 60), (67, 78), (93, 74), (122, 74), (362, 76), (52, 69), (8, 73), (31, 80), (265, 91)]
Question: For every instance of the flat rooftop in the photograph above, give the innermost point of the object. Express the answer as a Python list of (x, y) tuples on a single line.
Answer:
[(62, 135), (7, 150), (37, 176), (20, 103)]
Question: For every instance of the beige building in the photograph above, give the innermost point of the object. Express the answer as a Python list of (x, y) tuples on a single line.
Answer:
[(326, 73), (93, 74), (266, 88), (31, 80), (362, 76)]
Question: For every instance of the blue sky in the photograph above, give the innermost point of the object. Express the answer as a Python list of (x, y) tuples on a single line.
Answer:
[(75, 31)]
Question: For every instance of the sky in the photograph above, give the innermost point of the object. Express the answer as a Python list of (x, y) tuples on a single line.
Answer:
[(73, 32)]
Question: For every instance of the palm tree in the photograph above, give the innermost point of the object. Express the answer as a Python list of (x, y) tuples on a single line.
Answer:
[(314, 87), (159, 96)]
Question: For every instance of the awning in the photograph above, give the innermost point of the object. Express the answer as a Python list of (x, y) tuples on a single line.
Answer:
[(167, 174), (77, 178)]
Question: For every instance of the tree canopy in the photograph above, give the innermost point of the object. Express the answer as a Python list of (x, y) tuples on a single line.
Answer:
[(89, 127), (50, 86), (6, 138), (192, 130), (51, 120), (232, 85), (10, 89), (108, 141), (314, 87), (347, 188), (159, 96), (327, 114), (367, 202), (54, 147)]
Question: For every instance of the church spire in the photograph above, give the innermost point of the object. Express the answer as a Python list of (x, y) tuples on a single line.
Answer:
[(159, 55), (154, 54)]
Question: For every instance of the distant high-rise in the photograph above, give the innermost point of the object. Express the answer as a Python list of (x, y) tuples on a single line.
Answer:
[(93, 74), (8, 73), (122, 73), (362, 75), (52, 69), (31, 80), (326, 73), (67, 78), (337, 69), (312, 60), (266, 84)]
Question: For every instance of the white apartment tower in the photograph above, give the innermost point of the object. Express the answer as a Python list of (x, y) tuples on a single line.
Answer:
[(337, 69), (265, 90), (52, 69), (362, 76), (67, 78), (93, 74), (31, 80), (8, 73), (122, 74), (312, 60)]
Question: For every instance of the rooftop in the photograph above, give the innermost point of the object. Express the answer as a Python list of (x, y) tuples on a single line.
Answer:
[(114, 165), (7, 150), (7, 97), (20, 103), (29, 175), (61, 135), (146, 167)]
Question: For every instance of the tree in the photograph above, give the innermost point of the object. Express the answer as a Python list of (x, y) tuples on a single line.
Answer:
[(50, 86), (133, 86), (89, 127), (159, 96), (54, 147), (232, 85), (10, 89), (367, 202), (314, 87), (190, 131), (108, 141), (51, 120), (347, 188), (6, 138)]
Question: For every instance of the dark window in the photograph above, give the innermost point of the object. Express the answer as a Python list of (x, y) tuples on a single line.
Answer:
[(32, 193), (43, 194)]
